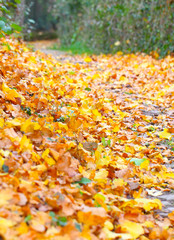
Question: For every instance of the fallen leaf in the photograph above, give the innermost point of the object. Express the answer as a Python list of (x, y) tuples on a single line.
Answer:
[(134, 229)]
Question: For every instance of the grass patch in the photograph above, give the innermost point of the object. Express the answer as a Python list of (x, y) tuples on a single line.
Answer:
[(75, 48)]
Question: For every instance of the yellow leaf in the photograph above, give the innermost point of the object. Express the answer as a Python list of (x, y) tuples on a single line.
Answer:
[(88, 59), (165, 134), (135, 229), (145, 165), (129, 149), (168, 175), (4, 153), (34, 175), (50, 161), (58, 131), (148, 224), (116, 128), (112, 235), (5, 197), (11, 94), (5, 223), (108, 225), (25, 144), (52, 231), (97, 114), (103, 161), (95, 76), (101, 175), (98, 153), (14, 122), (124, 79), (1, 122), (138, 147), (35, 157), (23, 228), (118, 183), (40, 168), (122, 114), (29, 126), (32, 59), (119, 53), (149, 204), (2, 160), (45, 153)]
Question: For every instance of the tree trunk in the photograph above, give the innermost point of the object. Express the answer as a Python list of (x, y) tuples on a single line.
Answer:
[(20, 13)]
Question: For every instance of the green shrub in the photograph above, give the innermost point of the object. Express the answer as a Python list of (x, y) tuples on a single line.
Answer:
[(117, 25), (7, 25)]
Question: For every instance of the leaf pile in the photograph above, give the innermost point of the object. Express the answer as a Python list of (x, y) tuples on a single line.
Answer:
[(85, 146)]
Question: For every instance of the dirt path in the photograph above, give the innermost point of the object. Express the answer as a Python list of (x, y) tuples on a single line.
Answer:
[(46, 45)]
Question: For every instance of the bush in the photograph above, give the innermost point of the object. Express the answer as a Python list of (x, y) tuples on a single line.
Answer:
[(7, 24), (117, 25)]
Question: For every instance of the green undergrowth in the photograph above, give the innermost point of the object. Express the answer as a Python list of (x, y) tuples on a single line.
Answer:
[(75, 48)]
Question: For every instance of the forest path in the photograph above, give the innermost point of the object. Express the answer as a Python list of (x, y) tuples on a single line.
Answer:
[(45, 47), (167, 198)]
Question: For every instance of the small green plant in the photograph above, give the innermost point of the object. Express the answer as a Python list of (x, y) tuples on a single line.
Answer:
[(151, 128), (27, 218), (27, 110), (106, 143), (60, 221)]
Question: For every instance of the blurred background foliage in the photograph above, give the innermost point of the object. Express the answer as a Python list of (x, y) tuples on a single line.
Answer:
[(7, 17), (100, 26)]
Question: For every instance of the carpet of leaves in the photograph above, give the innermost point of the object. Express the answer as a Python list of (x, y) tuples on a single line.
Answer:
[(85, 146)]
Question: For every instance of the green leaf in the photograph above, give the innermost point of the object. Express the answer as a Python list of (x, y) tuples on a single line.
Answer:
[(129, 93), (88, 89), (61, 119), (62, 221), (104, 142), (84, 181), (4, 9), (28, 110), (27, 218), (138, 161), (16, 27), (109, 142), (7, 29), (53, 216), (151, 129), (78, 227), (1, 35), (71, 72), (2, 24), (17, 1), (99, 197)]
